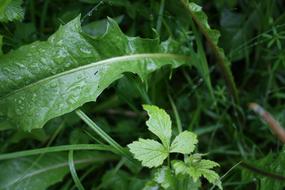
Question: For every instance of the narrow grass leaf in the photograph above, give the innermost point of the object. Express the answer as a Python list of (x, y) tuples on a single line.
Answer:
[(105, 136), (52, 149), (73, 171)]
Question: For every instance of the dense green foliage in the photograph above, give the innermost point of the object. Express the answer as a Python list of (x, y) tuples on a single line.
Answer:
[(75, 74)]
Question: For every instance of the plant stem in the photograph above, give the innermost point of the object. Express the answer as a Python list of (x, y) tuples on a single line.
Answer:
[(222, 61), (160, 16), (73, 171), (262, 172), (177, 118)]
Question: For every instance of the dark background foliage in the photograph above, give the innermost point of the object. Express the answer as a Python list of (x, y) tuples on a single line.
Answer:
[(252, 36)]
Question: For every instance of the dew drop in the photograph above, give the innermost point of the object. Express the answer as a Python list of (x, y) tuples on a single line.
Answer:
[(53, 85), (18, 111), (71, 100), (85, 50), (67, 64), (151, 67), (60, 42), (62, 53), (52, 38), (61, 106)]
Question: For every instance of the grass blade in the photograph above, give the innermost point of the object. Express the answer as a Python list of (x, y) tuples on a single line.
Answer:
[(56, 149), (104, 135), (73, 171)]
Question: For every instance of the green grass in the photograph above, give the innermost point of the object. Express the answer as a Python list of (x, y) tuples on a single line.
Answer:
[(208, 94)]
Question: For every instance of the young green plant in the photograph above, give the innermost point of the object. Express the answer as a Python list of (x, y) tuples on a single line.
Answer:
[(152, 153)]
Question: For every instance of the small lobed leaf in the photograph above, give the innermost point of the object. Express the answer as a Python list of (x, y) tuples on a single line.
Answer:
[(202, 168), (203, 19), (164, 177), (179, 167), (159, 123), (183, 168), (151, 185), (207, 164), (11, 10), (212, 177), (198, 168), (150, 152), (184, 143)]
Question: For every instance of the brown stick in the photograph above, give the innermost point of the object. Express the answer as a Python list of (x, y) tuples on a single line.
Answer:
[(277, 129)]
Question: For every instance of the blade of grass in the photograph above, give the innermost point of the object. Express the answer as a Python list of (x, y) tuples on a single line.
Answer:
[(85, 174), (43, 16), (56, 149), (227, 173), (177, 118), (203, 64), (221, 59), (73, 171), (160, 16), (105, 136), (95, 8)]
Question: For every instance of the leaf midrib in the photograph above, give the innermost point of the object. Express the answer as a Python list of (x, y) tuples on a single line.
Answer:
[(106, 61)]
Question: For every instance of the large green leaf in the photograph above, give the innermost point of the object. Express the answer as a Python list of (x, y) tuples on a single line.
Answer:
[(11, 10), (38, 173), (44, 80)]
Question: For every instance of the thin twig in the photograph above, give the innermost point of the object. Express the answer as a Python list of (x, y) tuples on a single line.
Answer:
[(277, 129)]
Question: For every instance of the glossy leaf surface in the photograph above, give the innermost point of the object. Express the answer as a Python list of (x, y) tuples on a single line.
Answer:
[(159, 123), (46, 79), (11, 10)]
